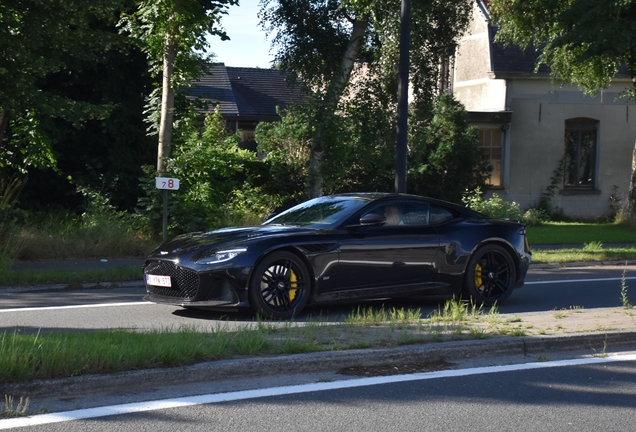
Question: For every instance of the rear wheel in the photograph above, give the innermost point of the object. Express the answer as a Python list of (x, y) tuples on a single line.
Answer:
[(490, 276), (280, 286)]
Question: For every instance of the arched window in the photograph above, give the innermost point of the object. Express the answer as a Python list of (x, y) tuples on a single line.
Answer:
[(580, 153)]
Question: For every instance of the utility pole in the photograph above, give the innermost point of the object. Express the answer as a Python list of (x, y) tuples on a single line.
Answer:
[(403, 98)]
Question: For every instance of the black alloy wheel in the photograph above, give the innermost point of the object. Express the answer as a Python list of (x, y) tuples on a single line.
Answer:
[(490, 276), (280, 286)]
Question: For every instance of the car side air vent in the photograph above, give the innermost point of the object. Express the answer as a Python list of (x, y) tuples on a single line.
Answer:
[(317, 247)]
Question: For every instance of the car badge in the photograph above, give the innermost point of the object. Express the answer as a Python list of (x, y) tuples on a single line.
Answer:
[(163, 253)]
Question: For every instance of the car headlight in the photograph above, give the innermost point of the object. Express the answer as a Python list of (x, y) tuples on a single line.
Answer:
[(221, 256)]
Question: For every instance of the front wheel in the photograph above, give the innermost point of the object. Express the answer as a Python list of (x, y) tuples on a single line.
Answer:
[(490, 276), (280, 286)]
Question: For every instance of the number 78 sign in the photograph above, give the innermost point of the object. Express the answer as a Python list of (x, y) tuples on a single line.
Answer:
[(167, 183)]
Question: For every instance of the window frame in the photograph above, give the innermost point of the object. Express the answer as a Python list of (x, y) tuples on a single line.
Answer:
[(581, 126), (481, 130)]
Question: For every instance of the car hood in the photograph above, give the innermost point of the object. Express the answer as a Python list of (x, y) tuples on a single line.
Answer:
[(226, 237)]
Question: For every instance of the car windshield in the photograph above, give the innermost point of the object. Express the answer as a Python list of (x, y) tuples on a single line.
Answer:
[(323, 212)]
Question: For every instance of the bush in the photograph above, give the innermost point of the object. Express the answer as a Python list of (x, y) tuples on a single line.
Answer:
[(444, 157), (501, 209), (535, 216), (494, 207), (220, 183)]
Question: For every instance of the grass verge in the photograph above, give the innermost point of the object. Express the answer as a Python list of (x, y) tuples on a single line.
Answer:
[(25, 357), (579, 233), (71, 277), (583, 255)]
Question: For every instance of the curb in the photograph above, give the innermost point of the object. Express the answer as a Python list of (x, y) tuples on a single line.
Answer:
[(331, 361)]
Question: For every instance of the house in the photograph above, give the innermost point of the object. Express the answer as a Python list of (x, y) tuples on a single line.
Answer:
[(247, 96), (537, 133)]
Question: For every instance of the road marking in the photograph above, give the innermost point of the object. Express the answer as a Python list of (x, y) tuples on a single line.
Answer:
[(288, 390), (99, 305), (578, 280)]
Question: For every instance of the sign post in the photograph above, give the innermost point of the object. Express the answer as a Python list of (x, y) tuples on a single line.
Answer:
[(166, 184)]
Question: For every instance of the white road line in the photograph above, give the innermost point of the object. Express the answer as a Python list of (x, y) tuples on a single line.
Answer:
[(84, 306), (578, 280), (100, 305), (288, 390)]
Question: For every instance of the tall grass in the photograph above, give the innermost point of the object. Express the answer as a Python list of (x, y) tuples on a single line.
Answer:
[(59, 236), (28, 357)]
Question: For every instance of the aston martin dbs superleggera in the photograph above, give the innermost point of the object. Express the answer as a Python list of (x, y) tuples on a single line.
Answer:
[(342, 248)]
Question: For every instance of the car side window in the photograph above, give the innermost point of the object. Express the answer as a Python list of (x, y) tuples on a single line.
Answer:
[(440, 215), (403, 213)]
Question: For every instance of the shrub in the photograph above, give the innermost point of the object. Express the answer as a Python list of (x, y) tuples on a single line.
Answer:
[(535, 216), (494, 207), (444, 157), (220, 183)]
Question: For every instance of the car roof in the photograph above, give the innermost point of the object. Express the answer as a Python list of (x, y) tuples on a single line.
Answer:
[(376, 196)]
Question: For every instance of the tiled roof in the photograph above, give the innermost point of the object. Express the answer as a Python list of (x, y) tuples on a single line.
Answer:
[(250, 93), (511, 58)]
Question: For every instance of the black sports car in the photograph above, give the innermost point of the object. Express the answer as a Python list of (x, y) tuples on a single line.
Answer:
[(342, 248)]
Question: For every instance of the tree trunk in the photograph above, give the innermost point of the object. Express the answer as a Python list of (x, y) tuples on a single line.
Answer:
[(4, 123), (167, 106), (334, 93), (631, 196)]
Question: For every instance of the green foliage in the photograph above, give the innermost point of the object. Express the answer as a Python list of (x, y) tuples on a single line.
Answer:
[(444, 159), (497, 207), (286, 146), (535, 216), (494, 207), (362, 155), (42, 42), (556, 180), (353, 125), (187, 23), (624, 297), (100, 231), (220, 184), (182, 27), (584, 42)]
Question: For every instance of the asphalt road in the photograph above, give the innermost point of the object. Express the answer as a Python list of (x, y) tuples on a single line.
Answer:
[(104, 308), (576, 397), (596, 395)]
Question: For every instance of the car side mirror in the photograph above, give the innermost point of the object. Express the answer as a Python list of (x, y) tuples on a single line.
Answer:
[(372, 219)]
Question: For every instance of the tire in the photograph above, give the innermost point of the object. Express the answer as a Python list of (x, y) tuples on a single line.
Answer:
[(490, 275), (280, 286)]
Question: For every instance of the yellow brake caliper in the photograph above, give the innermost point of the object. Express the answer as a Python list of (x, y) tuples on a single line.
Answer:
[(478, 279), (293, 285)]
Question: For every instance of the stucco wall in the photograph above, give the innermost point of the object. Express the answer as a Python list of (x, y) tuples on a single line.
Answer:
[(535, 140), (471, 82), (535, 144)]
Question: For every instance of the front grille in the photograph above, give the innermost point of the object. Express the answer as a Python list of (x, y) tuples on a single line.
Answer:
[(185, 282)]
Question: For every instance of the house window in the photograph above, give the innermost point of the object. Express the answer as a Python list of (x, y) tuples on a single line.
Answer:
[(580, 153), (491, 144)]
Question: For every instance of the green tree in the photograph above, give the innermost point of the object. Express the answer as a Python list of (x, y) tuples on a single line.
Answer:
[(220, 184), (582, 41), (39, 39), (323, 41), (174, 34), (445, 159), (286, 146)]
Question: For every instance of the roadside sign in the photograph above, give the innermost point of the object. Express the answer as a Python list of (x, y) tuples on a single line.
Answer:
[(167, 183)]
